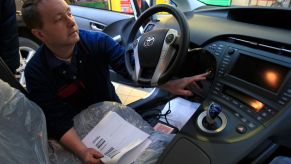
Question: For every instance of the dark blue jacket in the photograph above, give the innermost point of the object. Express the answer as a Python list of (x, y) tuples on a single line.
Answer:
[(63, 89), (8, 34)]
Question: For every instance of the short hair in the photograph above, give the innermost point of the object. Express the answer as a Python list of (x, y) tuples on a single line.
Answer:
[(30, 14)]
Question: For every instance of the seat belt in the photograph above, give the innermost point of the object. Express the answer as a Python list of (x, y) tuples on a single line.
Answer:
[(7, 76)]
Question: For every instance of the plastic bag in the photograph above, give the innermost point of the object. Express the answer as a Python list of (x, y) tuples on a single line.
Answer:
[(23, 137), (87, 119)]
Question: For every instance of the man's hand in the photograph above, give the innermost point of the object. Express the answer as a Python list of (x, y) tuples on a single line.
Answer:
[(73, 142), (91, 156), (179, 86)]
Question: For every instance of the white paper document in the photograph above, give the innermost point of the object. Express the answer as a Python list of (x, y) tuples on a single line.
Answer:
[(181, 112), (117, 139)]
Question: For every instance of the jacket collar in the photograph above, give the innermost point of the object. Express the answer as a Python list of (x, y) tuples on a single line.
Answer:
[(53, 62)]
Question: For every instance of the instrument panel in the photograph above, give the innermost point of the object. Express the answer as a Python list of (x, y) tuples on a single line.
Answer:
[(255, 82)]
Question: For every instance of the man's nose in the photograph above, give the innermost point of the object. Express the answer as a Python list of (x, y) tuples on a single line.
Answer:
[(70, 20)]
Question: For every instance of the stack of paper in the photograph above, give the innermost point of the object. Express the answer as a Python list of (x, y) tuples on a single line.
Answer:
[(117, 139)]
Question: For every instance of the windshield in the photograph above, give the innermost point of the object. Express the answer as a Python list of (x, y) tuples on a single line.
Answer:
[(266, 3)]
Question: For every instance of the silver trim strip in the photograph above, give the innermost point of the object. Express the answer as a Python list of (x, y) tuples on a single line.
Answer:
[(203, 115), (137, 70), (167, 54)]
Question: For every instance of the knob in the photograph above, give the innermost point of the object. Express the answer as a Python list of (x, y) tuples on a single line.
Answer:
[(230, 51), (212, 112)]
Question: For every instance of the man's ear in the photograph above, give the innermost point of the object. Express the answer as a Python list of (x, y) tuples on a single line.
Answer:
[(39, 34)]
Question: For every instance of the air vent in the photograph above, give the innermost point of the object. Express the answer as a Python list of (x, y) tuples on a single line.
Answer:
[(276, 48)]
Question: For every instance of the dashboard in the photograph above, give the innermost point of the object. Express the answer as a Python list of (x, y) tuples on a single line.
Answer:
[(250, 59), (248, 50)]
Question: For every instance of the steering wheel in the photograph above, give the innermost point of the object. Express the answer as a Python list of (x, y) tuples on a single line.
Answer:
[(157, 53)]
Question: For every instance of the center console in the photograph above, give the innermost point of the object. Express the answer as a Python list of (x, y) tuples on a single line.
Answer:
[(252, 83), (252, 88)]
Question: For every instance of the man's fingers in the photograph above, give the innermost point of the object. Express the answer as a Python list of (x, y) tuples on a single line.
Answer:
[(96, 154), (184, 93), (197, 86), (198, 77)]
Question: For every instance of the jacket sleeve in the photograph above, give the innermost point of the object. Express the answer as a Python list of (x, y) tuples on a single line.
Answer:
[(116, 53), (59, 115), (8, 34)]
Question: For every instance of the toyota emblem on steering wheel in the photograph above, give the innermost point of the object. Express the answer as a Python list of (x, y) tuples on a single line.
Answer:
[(149, 41)]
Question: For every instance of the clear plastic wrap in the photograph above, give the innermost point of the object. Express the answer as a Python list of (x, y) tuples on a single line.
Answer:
[(87, 119), (23, 137)]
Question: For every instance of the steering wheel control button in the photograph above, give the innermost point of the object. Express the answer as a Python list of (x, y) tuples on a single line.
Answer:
[(134, 44), (170, 38), (241, 129)]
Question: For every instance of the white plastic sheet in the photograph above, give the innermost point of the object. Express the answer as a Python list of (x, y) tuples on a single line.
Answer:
[(23, 137)]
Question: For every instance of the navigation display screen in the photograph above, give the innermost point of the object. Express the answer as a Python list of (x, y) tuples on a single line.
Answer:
[(262, 73)]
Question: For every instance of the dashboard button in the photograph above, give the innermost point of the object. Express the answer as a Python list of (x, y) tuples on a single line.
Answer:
[(271, 111), (215, 92), (249, 111), (226, 97), (259, 118), (244, 120), (288, 95), (236, 114), (241, 129), (230, 51), (234, 102), (251, 125), (264, 114), (281, 102)]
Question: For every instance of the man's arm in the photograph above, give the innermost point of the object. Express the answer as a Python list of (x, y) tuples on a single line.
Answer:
[(115, 54), (73, 142), (59, 115)]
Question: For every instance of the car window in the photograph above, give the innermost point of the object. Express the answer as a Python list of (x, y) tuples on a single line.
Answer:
[(113, 5), (122, 6)]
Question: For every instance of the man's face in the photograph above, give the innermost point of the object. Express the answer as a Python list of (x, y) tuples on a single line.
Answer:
[(59, 26)]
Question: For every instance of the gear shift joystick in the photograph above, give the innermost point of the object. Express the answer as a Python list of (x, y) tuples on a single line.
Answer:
[(212, 120), (212, 112)]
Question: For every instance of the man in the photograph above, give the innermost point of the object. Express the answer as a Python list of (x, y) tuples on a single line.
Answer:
[(71, 71), (8, 35)]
